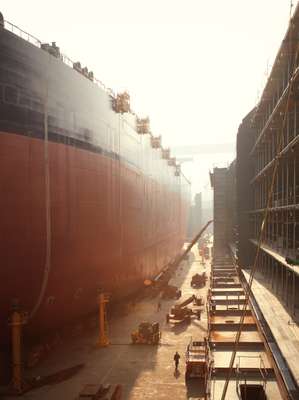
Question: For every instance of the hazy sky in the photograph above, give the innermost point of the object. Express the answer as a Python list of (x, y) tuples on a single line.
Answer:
[(194, 66)]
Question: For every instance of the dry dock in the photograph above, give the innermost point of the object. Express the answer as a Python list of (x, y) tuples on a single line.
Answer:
[(147, 371)]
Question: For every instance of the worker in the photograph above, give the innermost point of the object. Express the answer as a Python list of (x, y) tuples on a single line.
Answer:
[(209, 294), (176, 358), (213, 306), (159, 306)]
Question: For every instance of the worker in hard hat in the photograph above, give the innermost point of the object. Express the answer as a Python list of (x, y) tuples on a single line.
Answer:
[(176, 358)]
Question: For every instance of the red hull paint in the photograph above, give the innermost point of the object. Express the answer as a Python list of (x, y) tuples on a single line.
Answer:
[(108, 228)]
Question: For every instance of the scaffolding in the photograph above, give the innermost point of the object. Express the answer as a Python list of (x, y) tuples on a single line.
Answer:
[(223, 181), (277, 116)]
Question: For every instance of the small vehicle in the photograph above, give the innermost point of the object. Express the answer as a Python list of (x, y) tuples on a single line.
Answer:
[(199, 280), (147, 333), (171, 292), (179, 314), (198, 360)]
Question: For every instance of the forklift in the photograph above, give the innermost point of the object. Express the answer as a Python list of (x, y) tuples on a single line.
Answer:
[(147, 333)]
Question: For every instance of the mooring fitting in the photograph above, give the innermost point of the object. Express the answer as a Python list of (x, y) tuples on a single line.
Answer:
[(17, 320), (103, 339)]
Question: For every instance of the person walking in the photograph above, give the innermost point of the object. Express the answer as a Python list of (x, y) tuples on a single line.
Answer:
[(159, 306), (176, 358)]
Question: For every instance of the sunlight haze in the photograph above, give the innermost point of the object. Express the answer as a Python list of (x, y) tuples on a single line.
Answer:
[(195, 67)]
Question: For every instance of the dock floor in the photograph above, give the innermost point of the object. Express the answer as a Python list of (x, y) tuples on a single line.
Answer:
[(144, 371)]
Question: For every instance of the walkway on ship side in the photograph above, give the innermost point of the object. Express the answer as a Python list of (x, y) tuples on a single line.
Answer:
[(283, 327)]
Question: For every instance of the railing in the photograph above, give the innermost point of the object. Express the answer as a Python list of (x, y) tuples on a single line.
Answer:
[(64, 58), (22, 34), (241, 376), (36, 42)]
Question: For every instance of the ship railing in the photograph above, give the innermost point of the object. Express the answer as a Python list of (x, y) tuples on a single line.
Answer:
[(103, 86), (36, 42), (22, 34), (66, 60)]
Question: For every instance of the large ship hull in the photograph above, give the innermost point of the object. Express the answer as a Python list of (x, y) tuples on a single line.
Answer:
[(86, 203)]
